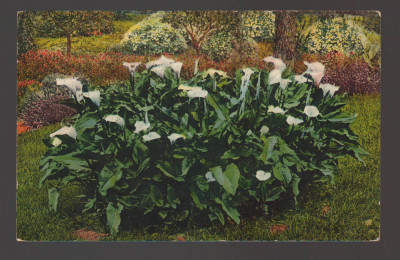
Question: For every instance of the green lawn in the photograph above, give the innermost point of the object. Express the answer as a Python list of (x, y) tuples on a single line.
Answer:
[(92, 44), (352, 204)]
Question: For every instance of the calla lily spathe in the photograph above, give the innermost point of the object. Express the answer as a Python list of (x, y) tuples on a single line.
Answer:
[(210, 177), (74, 85), (141, 126), (115, 119), (316, 70), (151, 136), (94, 96), (132, 67), (329, 88), (262, 175), (283, 83), (276, 110), (173, 137), (187, 88), (66, 130), (197, 93), (300, 79), (293, 121), (264, 130), (311, 111), (56, 142), (159, 66), (212, 72), (162, 61), (274, 76), (278, 63)]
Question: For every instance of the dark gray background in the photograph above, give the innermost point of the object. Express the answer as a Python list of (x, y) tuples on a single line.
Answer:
[(387, 248)]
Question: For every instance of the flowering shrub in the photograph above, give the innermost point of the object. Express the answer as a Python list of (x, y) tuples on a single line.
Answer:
[(27, 86), (352, 73), (22, 128), (336, 34), (177, 150), (151, 36), (218, 46), (259, 25)]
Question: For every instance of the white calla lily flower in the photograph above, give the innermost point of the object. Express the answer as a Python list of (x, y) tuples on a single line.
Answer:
[(151, 136), (262, 175), (94, 96), (160, 71), (56, 142), (197, 93), (276, 110), (300, 78), (162, 61), (293, 121), (66, 130), (132, 67), (212, 72), (74, 85), (210, 177), (274, 76), (264, 130), (316, 70), (141, 126), (187, 88), (173, 137), (311, 111), (283, 83), (278, 63), (176, 67), (115, 119), (329, 88)]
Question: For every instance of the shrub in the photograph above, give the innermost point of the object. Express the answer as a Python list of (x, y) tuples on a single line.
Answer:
[(151, 36), (218, 46), (341, 35), (259, 25), (154, 150), (353, 74)]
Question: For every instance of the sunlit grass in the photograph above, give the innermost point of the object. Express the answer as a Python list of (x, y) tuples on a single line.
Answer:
[(349, 210)]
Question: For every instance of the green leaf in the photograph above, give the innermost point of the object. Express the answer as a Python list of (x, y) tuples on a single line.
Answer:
[(274, 194), (231, 211), (295, 184), (156, 196), (237, 153), (53, 198), (228, 179), (114, 217), (269, 144), (282, 173), (108, 179)]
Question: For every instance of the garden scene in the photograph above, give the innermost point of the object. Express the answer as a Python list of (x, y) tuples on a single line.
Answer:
[(198, 125)]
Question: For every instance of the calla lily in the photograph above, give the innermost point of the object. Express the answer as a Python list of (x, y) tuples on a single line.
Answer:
[(176, 67), (278, 63), (245, 82), (94, 96), (56, 142), (132, 66), (160, 71), (283, 83), (316, 70), (173, 137), (162, 61), (300, 78), (262, 175), (311, 111), (210, 177), (264, 130), (197, 93), (67, 130), (293, 121), (329, 88), (187, 88), (212, 72), (274, 76), (276, 110), (115, 119), (141, 126), (74, 85), (151, 136)]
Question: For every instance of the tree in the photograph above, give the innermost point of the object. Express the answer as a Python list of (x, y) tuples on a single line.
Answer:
[(25, 30), (199, 24), (71, 23), (285, 36)]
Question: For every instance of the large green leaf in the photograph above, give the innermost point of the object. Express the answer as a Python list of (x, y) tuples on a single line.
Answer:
[(114, 217), (53, 198), (228, 179), (269, 144), (156, 196)]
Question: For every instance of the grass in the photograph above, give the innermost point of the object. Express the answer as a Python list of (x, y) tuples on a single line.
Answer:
[(351, 206), (92, 44)]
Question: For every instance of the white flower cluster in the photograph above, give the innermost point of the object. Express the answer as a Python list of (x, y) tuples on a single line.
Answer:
[(159, 66)]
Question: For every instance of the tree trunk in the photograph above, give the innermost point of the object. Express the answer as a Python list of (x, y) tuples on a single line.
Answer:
[(68, 43), (285, 36)]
